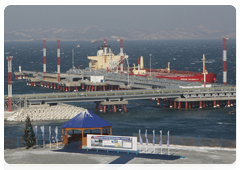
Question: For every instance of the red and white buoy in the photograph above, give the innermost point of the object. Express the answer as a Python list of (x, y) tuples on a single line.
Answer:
[(58, 60), (225, 60), (121, 53), (9, 58), (44, 58)]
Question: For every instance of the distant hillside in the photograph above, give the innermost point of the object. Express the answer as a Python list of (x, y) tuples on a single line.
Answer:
[(91, 33)]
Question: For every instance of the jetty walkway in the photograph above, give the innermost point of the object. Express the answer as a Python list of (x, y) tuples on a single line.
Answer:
[(109, 90)]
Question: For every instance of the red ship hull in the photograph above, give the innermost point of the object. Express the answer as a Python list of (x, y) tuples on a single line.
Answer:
[(179, 75), (210, 77)]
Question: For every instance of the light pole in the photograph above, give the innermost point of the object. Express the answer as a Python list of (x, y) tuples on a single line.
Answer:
[(150, 64), (128, 71)]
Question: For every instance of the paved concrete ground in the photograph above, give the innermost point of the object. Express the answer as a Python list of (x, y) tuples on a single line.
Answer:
[(192, 155)]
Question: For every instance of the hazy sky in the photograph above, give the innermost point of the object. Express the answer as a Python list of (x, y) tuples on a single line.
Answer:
[(119, 17)]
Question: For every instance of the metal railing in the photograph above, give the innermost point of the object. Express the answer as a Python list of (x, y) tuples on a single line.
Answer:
[(123, 92)]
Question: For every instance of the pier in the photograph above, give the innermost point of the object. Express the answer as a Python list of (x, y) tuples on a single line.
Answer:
[(190, 97), (111, 90)]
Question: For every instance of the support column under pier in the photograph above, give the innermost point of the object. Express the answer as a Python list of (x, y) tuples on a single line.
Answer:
[(186, 105), (175, 104), (228, 103), (89, 88), (190, 105), (214, 103), (82, 85), (158, 101), (179, 105), (104, 108), (200, 104), (125, 108), (101, 108), (170, 104)]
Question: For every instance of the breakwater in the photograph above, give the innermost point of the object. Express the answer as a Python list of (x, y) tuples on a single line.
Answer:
[(45, 112)]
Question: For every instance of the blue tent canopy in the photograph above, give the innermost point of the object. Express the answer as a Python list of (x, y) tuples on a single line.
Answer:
[(86, 119)]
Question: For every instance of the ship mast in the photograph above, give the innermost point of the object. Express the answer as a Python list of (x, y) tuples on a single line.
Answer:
[(204, 70), (204, 59)]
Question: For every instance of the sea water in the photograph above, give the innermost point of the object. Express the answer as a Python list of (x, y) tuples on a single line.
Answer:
[(141, 114)]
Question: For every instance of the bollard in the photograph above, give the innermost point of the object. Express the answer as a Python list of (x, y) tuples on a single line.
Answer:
[(107, 150), (117, 151), (128, 151), (18, 141), (97, 149), (136, 153), (87, 149)]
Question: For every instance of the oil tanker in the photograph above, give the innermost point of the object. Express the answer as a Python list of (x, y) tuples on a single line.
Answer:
[(106, 60)]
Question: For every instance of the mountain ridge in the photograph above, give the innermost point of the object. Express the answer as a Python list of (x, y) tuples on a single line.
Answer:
[(94, 32)]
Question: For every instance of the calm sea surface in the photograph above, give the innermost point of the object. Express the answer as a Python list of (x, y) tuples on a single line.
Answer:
[(142, 114)]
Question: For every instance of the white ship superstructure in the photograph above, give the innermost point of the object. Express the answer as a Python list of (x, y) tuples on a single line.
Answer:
[(105, 59)]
